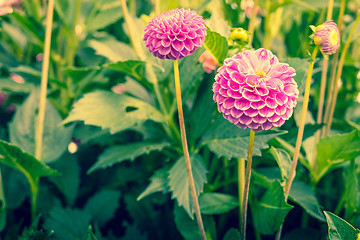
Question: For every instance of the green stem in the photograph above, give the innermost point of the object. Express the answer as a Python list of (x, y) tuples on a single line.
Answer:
[(247, 185), (44, 81), (338, 75), (2, 196), (186, 150), (300, 132), (333, 71), (241, 183), (34, 194), (252, 23), (157, 7)]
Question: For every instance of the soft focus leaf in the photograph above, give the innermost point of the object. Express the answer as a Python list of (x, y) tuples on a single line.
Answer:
[(22, 129), (102, 205), (351, 190), (2, 205), (158, 183), (89, 235), (283, 160), (116, 112), (67, 224), (117, 154), (271, 210), (179, 185), (16, 158), (132, 68), (216, 45), (217, 203), (305, 197), (339, 229), (232, 234), (334, 150), (301, 66), (226, 139)]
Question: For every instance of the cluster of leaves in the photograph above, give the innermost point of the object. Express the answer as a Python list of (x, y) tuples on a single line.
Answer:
[(127, 179)]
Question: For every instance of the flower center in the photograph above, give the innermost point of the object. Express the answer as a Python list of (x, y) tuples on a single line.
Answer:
[(334, 38), (261, 73)]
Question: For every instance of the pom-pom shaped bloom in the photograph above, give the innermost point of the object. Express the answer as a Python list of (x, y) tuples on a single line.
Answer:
[(175, 34), (327, 37), (254, 90)]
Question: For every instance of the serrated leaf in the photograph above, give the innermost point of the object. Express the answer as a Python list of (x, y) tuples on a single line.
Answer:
[(116, 112), (22, 129), (67, 224), (216, 45), (179, 184), (102, 206), (271, 210), (232, 234), (133, 68), (339, 229), (158, 183), (283, 160), (334, 150), (217, 203), (305, 197), (118, 154), (16, 158), (226, 139)]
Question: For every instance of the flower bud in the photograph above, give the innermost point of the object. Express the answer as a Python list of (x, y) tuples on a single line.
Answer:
[(240, 35), (327, 37)]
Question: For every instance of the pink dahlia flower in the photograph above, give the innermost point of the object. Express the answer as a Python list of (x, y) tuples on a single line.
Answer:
[(327, 37), (175, 34), (254, 90), (6, 6), (208, 61)]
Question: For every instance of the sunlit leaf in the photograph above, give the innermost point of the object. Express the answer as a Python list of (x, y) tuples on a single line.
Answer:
[(217, 203), (216, 44), (339, 229)]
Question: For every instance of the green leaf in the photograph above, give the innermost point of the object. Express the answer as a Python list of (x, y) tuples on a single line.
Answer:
[(283, 160), (22, 129), (305, 197), (232, 234), (189, 228), (2, 205), (301, 66), (179, 185), (69, 181), (271, 210), (352, 115), (104, 13), (110, 48), (132, 68), (226, 139), (217, 203), (334, 150), (118, 154), (102, 206), (12, 86), (216, 45), (116, 112), (351, 189), (68, 224), (89, 235), (16, 158), (158, 183), (339, 229)]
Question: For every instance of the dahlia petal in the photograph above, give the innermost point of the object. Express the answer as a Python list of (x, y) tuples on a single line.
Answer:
[(197, 42), (188, 44), (258, 105), (262, 91), (281, 98), (240, 125), (224, 83), (274, 118), (223, 92), (234, 94), (231, 119), (266, 112), (220, 99), (242, 104), (236, 113), (216, 87), (259, 119), (253, 125), (164, 50), (245, 119), (178, 45), (185, 52), (251, 112), (280, 110), (229, 103), (181, 37), (174, 52), (237, 77), (279, 122), (233, 85), (270, 102), (251, 96), (267, 125), (291, 90)]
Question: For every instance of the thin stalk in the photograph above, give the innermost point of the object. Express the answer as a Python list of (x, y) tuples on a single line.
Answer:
[(157, 7), (324, 70), (44, 81), (252, 23), (247, 185), (2, 196), (241, 183), (333, 71), (34, 187), (338, 75), (186, 150), (300, 132)]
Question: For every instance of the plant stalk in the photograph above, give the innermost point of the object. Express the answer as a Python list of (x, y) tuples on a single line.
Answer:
[(300, 133), (338, 76), (333, 72), (241, 183), (186, 150), (252, 23), (44, 81), (247, 185)]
